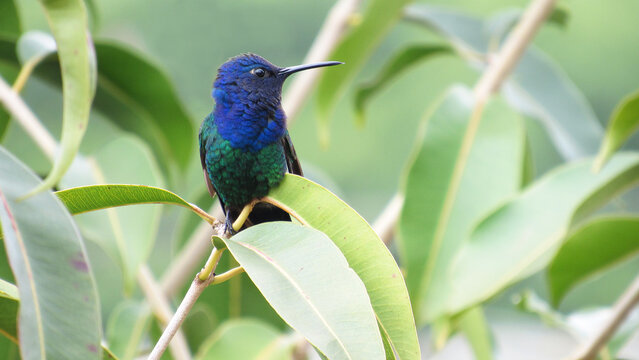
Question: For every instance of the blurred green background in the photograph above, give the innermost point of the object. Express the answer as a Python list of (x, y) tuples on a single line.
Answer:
[(598, 49)]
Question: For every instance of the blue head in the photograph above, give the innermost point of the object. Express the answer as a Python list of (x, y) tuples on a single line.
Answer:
[(247, 93)]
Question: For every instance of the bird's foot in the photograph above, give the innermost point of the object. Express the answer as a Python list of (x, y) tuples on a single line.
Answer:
[(228, 227)]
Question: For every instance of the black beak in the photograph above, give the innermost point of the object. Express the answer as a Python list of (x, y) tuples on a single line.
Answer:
[(293, 69)]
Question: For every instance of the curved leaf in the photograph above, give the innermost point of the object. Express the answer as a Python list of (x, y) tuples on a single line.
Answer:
[(10, 23), (295, 267), (355, 48), (96, 197), (399, 62), (591, 249), (9, 302), (623, 123), (366, 254), (59, 310), (35, 44), (68, 22), (148, 106), (521, 237), (437, 218), (537, 87), (246, 340)]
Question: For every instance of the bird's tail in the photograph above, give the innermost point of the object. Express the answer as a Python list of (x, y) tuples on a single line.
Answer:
[(262, 212)]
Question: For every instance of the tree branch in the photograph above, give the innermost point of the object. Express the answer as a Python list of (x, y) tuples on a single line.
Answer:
[(490, 82), (626, 302), (194, 292), (162, 309), (325, 42), (29, 122)]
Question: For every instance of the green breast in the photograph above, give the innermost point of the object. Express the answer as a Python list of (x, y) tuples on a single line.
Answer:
[(238, 175)]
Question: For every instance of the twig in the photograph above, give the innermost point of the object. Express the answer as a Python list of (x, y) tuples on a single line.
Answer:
[(194, 292), (325, 42), (626, 302), (385, 223), (186, 262), (490, 82), (162, 309), (29, 122)]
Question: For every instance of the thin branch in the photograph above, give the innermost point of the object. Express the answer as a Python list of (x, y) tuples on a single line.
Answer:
[(194, 292), (385, 223), (327, 39), (186, 263), (626, 302), (162, 310), (29, 122), (490, 82)]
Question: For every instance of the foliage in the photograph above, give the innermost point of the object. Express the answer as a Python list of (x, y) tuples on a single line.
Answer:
[(493, 194)]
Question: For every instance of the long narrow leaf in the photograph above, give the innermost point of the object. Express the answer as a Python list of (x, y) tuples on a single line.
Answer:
[(623, 123), (69, 24), (59, 309)]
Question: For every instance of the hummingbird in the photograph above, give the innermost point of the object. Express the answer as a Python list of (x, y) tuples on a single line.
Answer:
[(245, 147)]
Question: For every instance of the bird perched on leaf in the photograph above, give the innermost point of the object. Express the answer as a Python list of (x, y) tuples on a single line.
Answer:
[(244, 145)]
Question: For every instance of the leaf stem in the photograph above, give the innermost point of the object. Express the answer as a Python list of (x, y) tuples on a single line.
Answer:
[(211, 264), (241, 219), (25, 73), (218, 279)]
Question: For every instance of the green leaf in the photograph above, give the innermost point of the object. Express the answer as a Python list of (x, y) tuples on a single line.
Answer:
[(68, 22), (127, 234), (537, 87), (148, 107), (9, 18), (306, 279), (401, 61), (591, 249), (9, 301), (521, 237), (354, 49), (244, 340), (437, 218), (127, 325), (59, 311), (623, 123), (366, 254), (472, 323)]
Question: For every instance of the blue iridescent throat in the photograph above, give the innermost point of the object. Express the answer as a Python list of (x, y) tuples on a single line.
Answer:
[(247, 121)]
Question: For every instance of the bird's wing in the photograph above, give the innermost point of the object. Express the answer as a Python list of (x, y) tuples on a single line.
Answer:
[(292, 162), (207, 178)]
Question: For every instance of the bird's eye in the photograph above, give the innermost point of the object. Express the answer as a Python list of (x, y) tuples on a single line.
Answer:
[(259, 72)]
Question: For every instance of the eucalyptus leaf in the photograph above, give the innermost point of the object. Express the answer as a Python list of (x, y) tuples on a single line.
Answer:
[(315, 206), (521, 237), (306, 278), (69, 24), (127, 234), (59, 312), (437, 218), (592, 249), (537, 87), (246, 339), (474, 326), (354, 49), (623, 123)]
